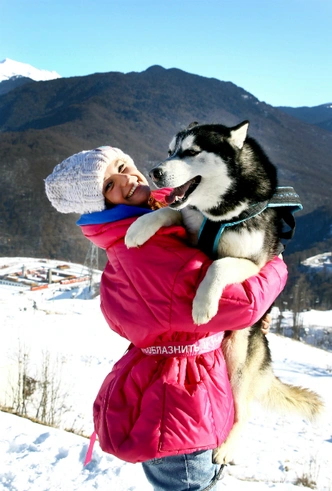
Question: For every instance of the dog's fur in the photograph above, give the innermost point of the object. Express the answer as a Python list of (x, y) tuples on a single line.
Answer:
[(219, 172)]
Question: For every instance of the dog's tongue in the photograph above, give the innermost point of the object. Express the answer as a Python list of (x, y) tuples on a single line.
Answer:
[(177, 192)]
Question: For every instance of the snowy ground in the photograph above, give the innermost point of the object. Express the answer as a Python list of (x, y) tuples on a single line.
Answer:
[(60, 325)]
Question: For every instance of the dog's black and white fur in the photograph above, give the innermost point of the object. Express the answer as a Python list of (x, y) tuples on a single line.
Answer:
[(219, 173)]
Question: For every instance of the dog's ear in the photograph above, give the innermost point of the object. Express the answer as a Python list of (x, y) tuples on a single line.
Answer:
[(194, 123), (239, 134)]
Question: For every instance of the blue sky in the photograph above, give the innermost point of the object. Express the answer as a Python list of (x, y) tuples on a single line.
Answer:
[(278, 50)]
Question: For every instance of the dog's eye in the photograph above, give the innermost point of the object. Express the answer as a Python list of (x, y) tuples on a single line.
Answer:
[(169, 153), (190, 152), (121, 168)]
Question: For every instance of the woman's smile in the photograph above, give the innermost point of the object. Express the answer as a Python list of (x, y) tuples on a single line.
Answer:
[(133, 189)]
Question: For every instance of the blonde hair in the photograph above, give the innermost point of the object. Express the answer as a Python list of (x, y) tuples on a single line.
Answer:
[(155, 204)]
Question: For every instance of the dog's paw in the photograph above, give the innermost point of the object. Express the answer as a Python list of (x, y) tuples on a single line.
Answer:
[(147, 225), (227, 450), (222, 455), (138, 233), (205, 307)]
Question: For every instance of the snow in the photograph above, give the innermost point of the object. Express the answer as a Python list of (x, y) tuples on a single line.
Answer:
[(10, 68), (319, 262), (63, 324)]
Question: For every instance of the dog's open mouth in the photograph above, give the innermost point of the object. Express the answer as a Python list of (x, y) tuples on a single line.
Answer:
[(181, 194)]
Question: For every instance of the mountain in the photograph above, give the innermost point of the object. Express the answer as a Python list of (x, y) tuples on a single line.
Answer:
[(13, 82), (10, 68), (14, 74), (41, 123), (318, 115)]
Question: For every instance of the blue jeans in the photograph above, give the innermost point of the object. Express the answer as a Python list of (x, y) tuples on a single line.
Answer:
[(194, 472)]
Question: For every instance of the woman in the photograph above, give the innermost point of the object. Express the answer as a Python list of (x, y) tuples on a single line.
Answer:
[(167, 402)]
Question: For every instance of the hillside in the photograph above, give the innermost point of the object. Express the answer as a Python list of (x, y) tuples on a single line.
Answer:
[(43, 122), (11, 84)]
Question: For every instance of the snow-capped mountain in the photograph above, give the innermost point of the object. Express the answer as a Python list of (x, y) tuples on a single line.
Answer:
[(10, 68)]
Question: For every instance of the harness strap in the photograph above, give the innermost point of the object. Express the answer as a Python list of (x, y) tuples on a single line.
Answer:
[(181, 349), (285, 199), (209, 233)]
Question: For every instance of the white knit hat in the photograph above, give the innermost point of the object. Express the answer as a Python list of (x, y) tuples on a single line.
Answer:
[(76, 185)]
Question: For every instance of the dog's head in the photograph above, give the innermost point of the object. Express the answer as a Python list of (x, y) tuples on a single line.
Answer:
[(200, 166)]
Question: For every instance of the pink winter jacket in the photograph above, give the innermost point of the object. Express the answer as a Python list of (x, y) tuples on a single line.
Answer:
[(155, 406)]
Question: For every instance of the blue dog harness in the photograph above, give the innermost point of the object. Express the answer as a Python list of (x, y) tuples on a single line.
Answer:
[(285, 198)]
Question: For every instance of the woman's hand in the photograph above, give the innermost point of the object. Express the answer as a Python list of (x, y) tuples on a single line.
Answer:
[(266, 323)]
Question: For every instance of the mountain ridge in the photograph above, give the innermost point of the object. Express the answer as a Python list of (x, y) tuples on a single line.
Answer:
[(41, 123), (320, 116)]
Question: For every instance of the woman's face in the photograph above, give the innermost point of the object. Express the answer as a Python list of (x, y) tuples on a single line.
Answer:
[(124, 184)]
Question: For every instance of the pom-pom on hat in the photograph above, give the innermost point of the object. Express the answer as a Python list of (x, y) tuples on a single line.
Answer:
[(76, 184)]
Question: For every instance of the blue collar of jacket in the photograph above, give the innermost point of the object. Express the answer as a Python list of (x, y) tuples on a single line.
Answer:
[(119, 212)]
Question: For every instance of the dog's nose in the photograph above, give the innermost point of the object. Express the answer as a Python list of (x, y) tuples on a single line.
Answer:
[(156, 174)]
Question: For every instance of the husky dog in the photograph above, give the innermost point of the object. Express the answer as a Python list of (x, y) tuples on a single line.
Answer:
[(222, 179)]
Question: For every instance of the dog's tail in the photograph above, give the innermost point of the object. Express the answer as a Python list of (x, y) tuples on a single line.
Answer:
[(286, 399)]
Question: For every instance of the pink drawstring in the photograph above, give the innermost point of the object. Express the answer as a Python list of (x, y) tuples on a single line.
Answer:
[(88, 456)]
